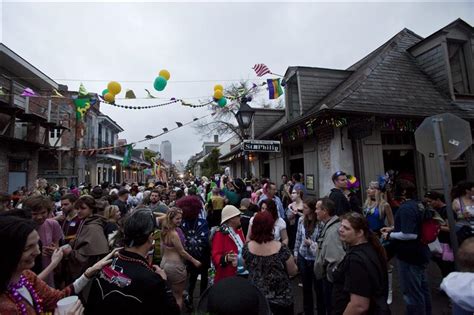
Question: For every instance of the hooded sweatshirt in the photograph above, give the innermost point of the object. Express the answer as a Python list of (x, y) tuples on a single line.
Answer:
[(89, 246)]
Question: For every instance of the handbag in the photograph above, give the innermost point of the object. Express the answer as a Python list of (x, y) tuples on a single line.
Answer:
[(447, 252)]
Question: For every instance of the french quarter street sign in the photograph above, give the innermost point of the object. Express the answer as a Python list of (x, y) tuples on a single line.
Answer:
[(261, 146)]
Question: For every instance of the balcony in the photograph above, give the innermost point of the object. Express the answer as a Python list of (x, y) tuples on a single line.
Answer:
[(42, 109)]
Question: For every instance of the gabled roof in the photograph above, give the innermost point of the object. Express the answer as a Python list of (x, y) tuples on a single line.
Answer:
[(21, 68), (388, 81), (458, 23)]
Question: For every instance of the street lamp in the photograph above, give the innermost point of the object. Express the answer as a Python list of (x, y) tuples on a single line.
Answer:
[(244, 118), (114, 167), (245, 115)]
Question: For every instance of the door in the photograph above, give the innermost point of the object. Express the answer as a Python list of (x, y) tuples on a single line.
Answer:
[(16, 180)]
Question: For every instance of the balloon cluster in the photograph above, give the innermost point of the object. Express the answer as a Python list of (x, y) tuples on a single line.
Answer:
[(161, 80), (113, 88), (219, 95)]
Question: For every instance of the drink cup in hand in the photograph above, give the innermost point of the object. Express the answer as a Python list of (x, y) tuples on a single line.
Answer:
[(66, 304)]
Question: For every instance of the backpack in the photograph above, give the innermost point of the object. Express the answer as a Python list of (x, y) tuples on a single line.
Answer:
[(430, 227), (196, 238)]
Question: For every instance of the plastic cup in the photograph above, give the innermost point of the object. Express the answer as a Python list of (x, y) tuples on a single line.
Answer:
[(64, 305)]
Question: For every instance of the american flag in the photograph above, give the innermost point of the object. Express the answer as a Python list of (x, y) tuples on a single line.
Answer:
[(261, 69)]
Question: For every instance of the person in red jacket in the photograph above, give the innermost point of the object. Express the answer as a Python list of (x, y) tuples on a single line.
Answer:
[(227, 245)]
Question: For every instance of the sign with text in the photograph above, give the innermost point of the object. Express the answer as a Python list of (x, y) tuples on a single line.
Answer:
[(261, 146)]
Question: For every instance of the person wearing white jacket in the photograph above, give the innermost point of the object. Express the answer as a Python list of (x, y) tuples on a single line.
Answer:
[(459, 286)]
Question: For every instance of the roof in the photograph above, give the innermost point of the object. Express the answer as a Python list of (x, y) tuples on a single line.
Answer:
[(264, 119), (111, 122), (459, 23), (388, 81), (23, 70)]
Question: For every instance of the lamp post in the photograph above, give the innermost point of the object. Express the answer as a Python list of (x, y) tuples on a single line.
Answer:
[(244, 118), (114, 168)]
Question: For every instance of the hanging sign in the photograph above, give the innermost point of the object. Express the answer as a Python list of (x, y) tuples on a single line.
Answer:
[(261, 146)]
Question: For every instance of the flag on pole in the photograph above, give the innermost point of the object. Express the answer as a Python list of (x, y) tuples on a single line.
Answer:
[(127, 157), (274, 88), (261, 69)]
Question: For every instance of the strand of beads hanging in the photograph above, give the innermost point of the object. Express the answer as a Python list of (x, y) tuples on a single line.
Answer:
[(15, 295), (196, 105), (172, 101)]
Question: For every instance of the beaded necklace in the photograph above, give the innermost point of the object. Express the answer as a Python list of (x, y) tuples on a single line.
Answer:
[(16, 297), (125, 258)]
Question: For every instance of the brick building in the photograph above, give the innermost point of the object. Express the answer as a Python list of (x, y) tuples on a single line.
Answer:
[(25, 122)]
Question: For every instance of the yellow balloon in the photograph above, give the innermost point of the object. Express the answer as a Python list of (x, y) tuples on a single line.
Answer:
[(114, 87), (109, 97), (218, 87), (218, 94), (165, 74)]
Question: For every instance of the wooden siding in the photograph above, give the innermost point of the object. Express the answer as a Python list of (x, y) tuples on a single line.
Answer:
[(372, 157), (433, 64), (310, 154), (432, 180)]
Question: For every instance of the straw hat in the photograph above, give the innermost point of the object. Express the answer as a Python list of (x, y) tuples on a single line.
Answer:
[(229, 212)]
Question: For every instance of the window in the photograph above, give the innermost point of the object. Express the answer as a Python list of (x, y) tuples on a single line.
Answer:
[(99, 136), (458, 63), (17, 165)]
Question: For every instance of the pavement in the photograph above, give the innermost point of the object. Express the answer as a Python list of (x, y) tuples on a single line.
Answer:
[(440, 302)]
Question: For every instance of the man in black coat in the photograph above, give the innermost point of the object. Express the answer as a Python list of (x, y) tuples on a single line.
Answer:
[(130, 285), (337, 193)]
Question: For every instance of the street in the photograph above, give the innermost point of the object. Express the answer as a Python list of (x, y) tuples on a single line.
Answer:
[(440, 302)]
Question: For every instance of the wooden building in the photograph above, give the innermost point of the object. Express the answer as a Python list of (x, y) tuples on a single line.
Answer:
[(362, 119)]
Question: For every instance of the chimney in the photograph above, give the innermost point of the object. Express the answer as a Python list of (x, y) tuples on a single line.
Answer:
[(216, 138)]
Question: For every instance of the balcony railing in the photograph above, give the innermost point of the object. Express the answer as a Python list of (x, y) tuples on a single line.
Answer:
[(41, 108)]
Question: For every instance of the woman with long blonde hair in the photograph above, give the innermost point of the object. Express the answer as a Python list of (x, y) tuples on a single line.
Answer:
[(377, 209), (174, 254)]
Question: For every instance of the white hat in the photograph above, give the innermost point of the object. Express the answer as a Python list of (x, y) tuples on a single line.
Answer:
[(229, 212)]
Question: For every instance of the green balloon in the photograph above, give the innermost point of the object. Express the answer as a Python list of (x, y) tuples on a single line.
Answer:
[(160, 83), (222, 102), (105, 92)]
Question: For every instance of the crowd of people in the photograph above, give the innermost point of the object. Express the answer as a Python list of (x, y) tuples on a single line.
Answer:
[(141, 248)]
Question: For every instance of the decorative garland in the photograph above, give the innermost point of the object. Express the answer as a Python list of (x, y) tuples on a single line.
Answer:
[(402, 124), (109, 149), (308, 128), (173, 101)]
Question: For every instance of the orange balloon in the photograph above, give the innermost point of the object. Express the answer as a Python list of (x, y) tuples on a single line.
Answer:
[(109, 97), (218, 94)]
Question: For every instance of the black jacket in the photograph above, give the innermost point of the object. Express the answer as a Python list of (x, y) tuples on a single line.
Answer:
[(342, 204), (146, 294)]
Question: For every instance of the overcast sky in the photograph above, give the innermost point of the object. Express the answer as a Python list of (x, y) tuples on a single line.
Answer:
[(201, 44)]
